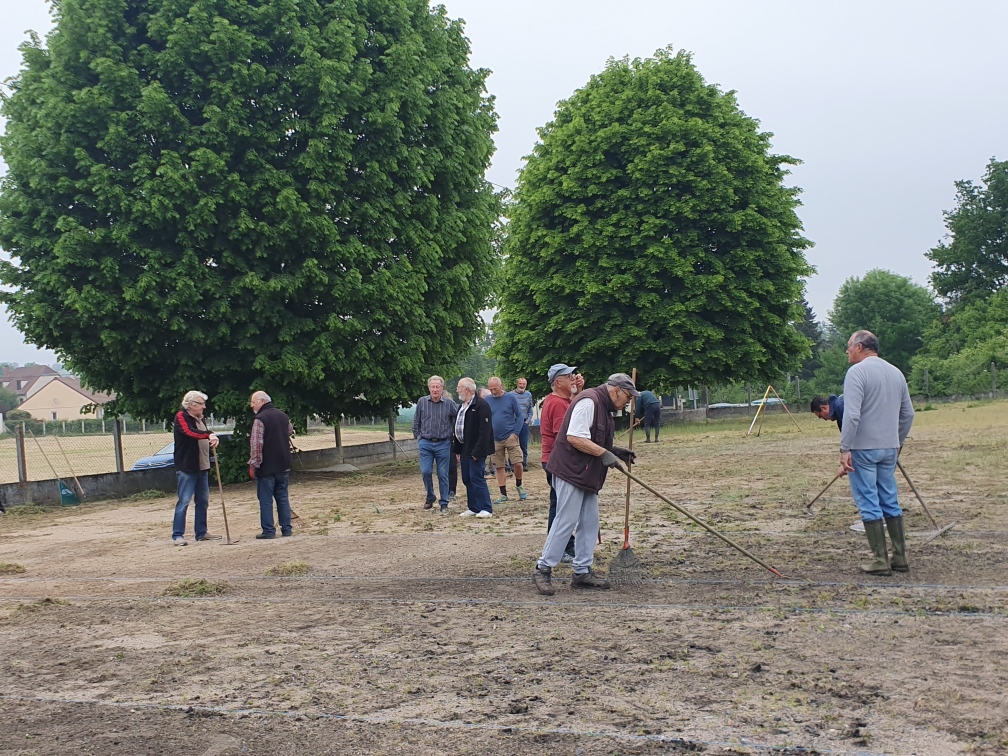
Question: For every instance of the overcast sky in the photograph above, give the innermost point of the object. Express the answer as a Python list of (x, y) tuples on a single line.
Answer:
[(886, 103)]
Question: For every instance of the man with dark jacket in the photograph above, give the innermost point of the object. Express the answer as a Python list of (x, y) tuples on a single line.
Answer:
[(193, 443), (270, 463), (473, 442), (580, 459), (829, 409), (648, 410)]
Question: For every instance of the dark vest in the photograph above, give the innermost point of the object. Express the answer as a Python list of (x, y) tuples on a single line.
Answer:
[(577, 468), (276, 454)]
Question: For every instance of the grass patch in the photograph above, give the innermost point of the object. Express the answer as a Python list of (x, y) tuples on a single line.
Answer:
[(146, 495), (288, 569), (10, 568), (193, 588), (28, 509)]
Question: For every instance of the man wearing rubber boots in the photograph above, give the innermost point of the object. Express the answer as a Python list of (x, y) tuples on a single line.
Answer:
[(580, 459), (877, 417)]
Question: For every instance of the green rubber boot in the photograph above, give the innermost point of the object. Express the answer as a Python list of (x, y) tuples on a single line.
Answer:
[(875, 530), (899, 561)]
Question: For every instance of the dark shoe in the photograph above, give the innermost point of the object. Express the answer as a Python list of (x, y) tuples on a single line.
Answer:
[(875, 531), (899, 561), (287, 533), (428, 504), (543, 579), (265, 536), (444, 510), (567, 558), (208, 537), (589, 580)]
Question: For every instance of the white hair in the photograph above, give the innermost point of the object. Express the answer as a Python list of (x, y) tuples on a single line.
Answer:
[(468, 383), (192, 396), (437, 378)]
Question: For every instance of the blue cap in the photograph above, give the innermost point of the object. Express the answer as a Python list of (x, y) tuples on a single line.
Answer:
[(557, 370)]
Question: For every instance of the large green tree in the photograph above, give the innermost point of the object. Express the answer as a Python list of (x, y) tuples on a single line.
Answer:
[(651, 227), (892, 307), (231, 194), (974, 264)]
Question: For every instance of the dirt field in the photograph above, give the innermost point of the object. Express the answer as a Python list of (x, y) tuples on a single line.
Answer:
[(414, 633)]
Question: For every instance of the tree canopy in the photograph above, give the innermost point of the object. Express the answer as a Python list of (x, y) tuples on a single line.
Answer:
[(892, 307), (651, 227), (974, 264), (229, 195)]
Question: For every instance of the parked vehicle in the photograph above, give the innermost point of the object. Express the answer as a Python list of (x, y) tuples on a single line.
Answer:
[(165, 456)]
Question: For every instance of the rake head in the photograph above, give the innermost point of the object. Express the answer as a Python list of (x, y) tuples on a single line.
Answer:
[(626, 570), (297, 522)]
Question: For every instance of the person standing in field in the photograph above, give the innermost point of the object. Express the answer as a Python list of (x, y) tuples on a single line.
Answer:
[(527, 405), (269, 464), (193, 442), (507, 424), (579, 462), (648, 410), (877, 417), (473, 442), (564, 381), (432, 427)]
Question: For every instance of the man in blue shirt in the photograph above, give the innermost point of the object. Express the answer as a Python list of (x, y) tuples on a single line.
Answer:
[(507, 423), (527, 405)]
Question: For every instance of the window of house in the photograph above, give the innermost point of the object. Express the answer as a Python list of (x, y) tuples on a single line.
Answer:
[(53, 415)]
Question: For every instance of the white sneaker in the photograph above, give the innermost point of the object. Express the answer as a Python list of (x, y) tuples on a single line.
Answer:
[(180, 541), (466, 513), (484, 514)]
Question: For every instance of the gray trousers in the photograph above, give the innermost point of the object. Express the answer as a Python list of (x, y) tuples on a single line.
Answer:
[(577, 509)]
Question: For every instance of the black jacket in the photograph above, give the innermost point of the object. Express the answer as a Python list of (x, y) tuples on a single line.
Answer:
[(187, 438), (477, 431), (276, 453)]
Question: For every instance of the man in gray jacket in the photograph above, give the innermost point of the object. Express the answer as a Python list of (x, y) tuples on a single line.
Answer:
[(877, 417)]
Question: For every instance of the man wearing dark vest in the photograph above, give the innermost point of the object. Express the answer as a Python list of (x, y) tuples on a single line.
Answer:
[(579, 461), (270, 463)]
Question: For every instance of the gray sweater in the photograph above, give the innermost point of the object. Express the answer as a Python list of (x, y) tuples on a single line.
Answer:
[(877, 410)]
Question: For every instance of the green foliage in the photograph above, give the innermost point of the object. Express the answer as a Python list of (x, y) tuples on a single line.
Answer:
[(975, 264), (810, 328), (651, 228), (961, 347), (892, 307), (478, 364), (829, 378), (229, 195)]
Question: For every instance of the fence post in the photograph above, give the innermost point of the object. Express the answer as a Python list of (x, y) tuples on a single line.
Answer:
[(993, 377), (19, 450), (797, 383), (391, 432), (117, 441), (339, 442), (927, 386)]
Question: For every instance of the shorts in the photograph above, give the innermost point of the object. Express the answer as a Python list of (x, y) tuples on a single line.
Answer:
[(513, 448)]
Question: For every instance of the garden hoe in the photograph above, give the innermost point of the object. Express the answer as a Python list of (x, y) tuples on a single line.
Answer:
[(698, 521), (220, 487), (808, 506), (625, 570), (939, 531)]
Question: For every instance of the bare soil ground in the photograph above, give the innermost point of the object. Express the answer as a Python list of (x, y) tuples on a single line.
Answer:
[(409, 632)]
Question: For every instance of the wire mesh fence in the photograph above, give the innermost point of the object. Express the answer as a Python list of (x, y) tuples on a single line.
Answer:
[(89, 447)]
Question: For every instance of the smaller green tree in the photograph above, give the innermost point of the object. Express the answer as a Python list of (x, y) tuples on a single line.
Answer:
[(892, 307), (974, 264)]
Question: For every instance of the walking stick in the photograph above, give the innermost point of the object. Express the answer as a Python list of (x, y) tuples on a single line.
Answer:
[(698, 521), (220, 487), (938, 529)]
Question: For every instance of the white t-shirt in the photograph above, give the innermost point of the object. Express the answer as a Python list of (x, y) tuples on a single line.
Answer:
[(582, 419)]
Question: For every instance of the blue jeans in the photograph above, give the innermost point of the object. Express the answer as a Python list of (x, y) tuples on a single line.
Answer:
[(523, 443), (190, 486), (268, 488), (431, 452), (873, 483), (477, 493)]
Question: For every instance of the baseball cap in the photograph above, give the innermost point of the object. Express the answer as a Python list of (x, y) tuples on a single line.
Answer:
[(623, 381), (557, 370)]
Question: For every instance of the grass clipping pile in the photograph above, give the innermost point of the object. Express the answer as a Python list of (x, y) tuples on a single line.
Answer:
[(419, 633)]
